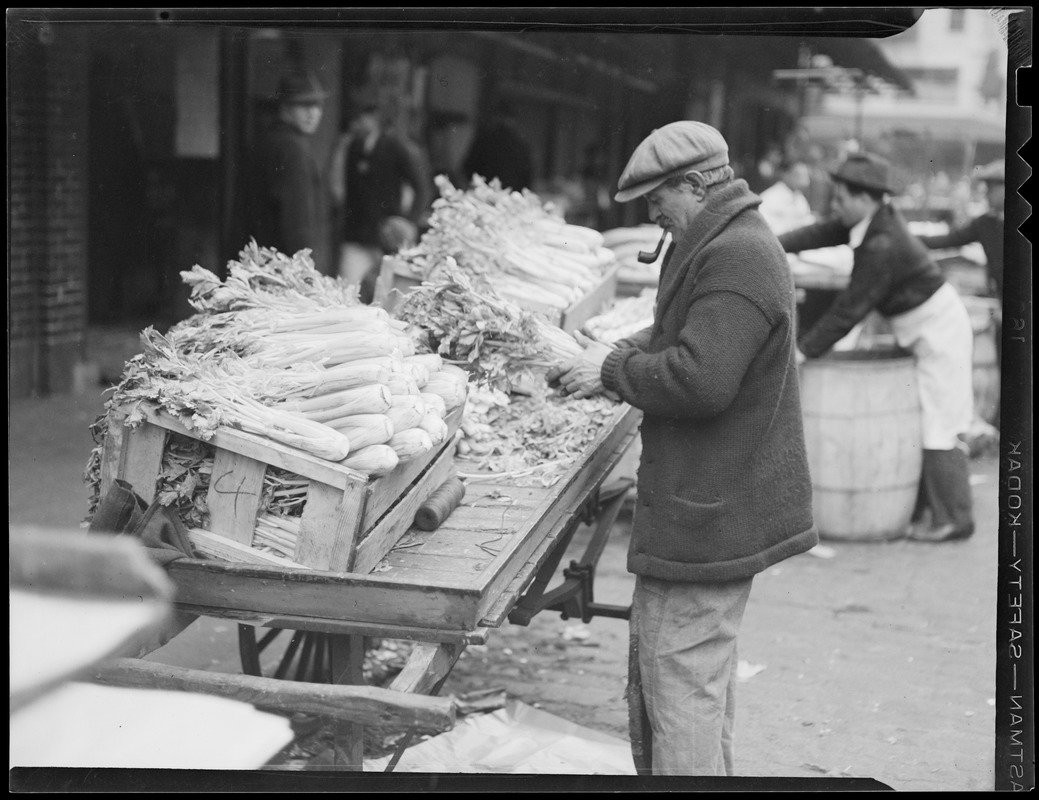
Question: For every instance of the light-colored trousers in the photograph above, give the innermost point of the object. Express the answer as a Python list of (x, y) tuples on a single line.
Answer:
[(683, 672)]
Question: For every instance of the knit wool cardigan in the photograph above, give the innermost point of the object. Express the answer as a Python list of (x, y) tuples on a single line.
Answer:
[(723, 484)]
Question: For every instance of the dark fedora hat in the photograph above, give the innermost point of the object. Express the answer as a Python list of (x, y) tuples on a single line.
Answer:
[(301, 89), (866, 170)]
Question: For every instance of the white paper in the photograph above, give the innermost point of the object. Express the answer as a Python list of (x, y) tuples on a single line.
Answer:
[(517, 739), (86, 725)]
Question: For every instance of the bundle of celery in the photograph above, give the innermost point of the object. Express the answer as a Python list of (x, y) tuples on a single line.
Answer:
[(494, 340), (510, 240), (284, 353)]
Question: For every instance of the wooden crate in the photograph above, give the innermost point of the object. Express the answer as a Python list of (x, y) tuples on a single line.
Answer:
[(394, 282), (349, 521)]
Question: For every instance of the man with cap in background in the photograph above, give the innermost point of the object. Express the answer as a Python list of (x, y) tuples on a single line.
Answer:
[(723, 484), (372, 171), (893, 273), (289, 202)]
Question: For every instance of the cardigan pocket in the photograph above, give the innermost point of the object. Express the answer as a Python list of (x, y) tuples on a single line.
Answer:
[(693, 511)]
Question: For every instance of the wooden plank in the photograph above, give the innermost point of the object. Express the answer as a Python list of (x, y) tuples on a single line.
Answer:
[(427, 665), (384, 492), (111, 452), (347, 657), (227, 549), (328, 595), (583, 478), (233, 499), (265, 450), (358, 704), (319, 625), (141, 458), (330, 526), (592, 303), (400, 518)]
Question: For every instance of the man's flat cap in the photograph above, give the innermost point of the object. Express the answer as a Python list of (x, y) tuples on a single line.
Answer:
[(866, 170), (669, 151), (300, 89), (996, 172)]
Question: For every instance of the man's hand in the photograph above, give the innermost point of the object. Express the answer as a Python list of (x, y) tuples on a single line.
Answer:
[(582, 376), (799, 357)]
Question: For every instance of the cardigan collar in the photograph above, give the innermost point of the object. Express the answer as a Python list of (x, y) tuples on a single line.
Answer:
[(722, 206)]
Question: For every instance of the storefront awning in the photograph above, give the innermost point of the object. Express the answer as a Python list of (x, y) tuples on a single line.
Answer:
[(939, 126)]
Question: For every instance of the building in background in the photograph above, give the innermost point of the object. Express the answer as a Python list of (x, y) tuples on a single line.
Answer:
[(127, 139), (954, 120)]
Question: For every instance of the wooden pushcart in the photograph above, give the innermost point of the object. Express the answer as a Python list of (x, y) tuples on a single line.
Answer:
[(491, 561)]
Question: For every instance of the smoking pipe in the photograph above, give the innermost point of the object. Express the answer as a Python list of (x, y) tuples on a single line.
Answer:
[(645, 257)]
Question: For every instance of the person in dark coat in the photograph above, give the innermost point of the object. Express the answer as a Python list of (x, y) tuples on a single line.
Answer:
[(986, 229), (723, 485), (371, 170), (893, 274), (289, 200)]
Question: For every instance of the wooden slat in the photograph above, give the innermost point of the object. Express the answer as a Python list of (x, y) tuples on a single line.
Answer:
[(427, 665), (592, 303), (321, 625), (356, 704), (141, 458), (330, 526), (401, 517), (385, 491), (227, 549), (111, 452), (360, 598), (233, 499), (267, 451)]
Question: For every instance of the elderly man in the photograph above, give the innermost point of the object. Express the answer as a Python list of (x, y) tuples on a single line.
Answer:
[(723, 484), (893, 273), (289, 202)]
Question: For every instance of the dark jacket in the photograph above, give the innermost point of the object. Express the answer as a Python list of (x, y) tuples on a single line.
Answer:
[(289, 201), (723, 484), (986, 229), (892, 273), (374, 181)]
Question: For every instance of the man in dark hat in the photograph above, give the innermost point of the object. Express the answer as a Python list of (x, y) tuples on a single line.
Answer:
[(289, 207), (893, 274), (380, 186), (723, 484)]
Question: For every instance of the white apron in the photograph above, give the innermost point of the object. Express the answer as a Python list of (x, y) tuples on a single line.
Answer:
[(939, 334)]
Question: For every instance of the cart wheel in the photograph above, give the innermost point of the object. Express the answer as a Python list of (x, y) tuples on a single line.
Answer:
[(306, 657)]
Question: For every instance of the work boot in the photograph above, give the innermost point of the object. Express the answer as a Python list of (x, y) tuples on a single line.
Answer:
[(945, 485)]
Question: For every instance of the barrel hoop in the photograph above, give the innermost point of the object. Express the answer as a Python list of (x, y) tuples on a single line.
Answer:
[(865, 490)]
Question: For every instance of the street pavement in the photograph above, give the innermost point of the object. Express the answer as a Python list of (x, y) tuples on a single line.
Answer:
[(876, 662)]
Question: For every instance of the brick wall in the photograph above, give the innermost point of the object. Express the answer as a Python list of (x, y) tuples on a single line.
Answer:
[(47, 190)]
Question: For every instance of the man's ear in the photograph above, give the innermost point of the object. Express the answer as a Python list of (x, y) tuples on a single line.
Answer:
[(698, 183)]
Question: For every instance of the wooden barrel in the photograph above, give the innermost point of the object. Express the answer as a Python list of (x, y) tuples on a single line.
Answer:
[(982, 311), (863, 436)]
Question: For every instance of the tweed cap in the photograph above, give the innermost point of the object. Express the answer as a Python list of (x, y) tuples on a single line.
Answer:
[(670, 151), (867, 170), (996, 172), (301, 89)]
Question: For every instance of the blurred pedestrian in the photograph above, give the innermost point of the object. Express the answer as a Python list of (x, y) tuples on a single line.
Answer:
[(820, 187), (723, 484), (500, 151), (893, 273), (986, 228), (783, 204), (288, 202), (373, 174)]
